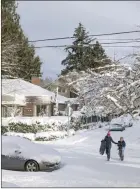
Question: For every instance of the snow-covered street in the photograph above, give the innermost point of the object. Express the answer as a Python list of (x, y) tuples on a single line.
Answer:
[(83, 166)]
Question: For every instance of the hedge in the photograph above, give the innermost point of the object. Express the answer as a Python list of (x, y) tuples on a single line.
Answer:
[(35, 128), (46, 138), (4, 129), (24, 128)]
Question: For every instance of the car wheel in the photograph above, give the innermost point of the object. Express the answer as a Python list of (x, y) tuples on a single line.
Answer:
[(31, 166)]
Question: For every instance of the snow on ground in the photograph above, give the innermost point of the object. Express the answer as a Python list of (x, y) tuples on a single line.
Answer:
[(49, 135), (9, 185), (30, 136), (83, 166), (58, 120)]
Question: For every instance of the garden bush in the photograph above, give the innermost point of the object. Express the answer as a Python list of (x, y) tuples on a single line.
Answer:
[(76, 123), (34, 128), (4, 129)]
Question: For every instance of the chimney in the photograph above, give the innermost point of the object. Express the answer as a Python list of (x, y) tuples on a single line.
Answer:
[(35, 80)]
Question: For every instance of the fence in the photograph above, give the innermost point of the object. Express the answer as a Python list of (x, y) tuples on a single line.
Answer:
[(91, 121)]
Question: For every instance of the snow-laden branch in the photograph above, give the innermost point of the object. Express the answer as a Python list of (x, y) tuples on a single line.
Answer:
[(115, 87)]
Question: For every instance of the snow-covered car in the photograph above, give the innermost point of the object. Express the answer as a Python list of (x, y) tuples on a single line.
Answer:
[(124, 120), (116, 127), (23, 155), (128, 125)]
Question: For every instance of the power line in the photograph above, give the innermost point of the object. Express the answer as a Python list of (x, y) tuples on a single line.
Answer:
[(64, 46), (119, 39), (104, 43), (96, 35), (120, 42)]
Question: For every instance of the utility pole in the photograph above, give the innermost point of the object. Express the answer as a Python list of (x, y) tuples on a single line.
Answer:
[(114, 56), (56, 101), (69, 113), (68, 119)]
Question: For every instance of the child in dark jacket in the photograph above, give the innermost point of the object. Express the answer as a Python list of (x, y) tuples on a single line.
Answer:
[(121, 145)]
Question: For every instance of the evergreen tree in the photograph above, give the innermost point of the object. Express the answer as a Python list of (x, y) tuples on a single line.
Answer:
[(18, 56), (9, 30), (83, 54)]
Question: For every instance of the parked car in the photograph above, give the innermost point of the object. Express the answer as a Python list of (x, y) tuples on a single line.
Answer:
[(116, 127), (130, 124), (23, 155)]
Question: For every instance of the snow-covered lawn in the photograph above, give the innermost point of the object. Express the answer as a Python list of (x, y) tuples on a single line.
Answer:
[(83, 166)]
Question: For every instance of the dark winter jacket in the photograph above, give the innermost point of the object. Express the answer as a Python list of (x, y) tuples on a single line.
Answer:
[(109, 140), (121, 144)]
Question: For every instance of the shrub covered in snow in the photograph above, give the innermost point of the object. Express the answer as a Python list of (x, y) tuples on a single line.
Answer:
[(33, 128), (42, 136), (4, 129), (48, 136), (24, 128), (40, 128), (76, 122)]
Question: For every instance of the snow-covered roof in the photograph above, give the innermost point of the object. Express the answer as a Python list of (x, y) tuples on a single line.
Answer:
[(24, 88), (16, 99)]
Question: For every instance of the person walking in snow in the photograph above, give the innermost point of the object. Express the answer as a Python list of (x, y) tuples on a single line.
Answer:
[(108, 139), (121, 147)]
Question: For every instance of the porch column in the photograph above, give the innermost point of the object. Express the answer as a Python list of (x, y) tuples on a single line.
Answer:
[(34, 110)]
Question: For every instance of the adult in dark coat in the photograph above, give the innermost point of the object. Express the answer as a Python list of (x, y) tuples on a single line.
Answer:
[(108, 139)]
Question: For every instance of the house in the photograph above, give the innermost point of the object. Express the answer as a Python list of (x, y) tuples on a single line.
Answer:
[(29, 98), (64, 89)]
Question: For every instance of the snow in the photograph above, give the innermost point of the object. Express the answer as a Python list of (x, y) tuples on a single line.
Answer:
[(29, 150), (114, 100), (29, 136), (47, 135), (83, 166), (25, 89), (13, 99), (9, 185), (54, 120), (124, 120)]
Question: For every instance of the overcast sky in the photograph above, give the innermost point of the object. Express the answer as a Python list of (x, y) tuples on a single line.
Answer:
[(49, 19)]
